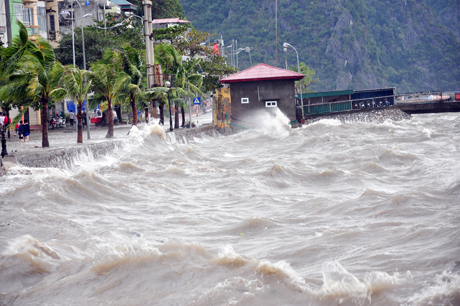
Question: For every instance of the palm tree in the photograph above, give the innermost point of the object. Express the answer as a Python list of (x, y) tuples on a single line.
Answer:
[(35, 76), (77, 83), (108, 82), (190, 82), (134, 67)]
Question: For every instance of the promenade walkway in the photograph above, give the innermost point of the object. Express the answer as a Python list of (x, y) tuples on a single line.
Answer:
[(64, 138)]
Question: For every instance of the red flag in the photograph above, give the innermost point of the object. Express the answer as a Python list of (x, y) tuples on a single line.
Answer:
[(215, 49)]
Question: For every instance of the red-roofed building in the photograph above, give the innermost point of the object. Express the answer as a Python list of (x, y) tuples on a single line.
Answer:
[(262, 87), (167, 23)]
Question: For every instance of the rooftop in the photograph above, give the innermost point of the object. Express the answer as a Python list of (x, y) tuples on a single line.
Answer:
[(326, 94), (262, 72), (169, 20), (124, 5)]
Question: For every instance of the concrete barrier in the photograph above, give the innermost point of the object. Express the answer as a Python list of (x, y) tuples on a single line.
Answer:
[(370, 116), (62, 157)]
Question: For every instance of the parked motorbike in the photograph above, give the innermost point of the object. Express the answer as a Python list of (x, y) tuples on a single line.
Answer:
[(61, 122), (52, 124)]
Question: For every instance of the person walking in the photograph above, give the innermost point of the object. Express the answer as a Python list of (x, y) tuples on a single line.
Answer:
[(21, 131), (6, 122), (71, 117), (83, 120), (2, 120), (26, 131)]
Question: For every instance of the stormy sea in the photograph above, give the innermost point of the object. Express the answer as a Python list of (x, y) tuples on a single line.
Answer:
[(328, 214)]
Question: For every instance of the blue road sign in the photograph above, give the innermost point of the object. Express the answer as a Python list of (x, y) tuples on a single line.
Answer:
[(87, 2), (197, 101)]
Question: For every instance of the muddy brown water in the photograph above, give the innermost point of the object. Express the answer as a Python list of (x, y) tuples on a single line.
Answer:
[(328, 214)]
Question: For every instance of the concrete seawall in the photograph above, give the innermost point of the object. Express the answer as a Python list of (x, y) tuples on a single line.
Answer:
[(370, 116), (65, 157), (61, 157)]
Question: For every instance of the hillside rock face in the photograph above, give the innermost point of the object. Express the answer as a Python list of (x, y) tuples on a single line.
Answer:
[(352, 44)]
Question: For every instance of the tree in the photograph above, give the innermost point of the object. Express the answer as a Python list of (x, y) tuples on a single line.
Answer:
[(134, 66), (108, 81), (187, 81), (97, 41), (77, 84), (35, 78), (162, 8), (309, 78)]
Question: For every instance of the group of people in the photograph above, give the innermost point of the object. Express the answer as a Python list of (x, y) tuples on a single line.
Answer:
[(73, 118), (21, 129)]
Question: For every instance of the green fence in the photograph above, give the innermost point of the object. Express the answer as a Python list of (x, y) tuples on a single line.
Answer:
[(317, 109), (340, 107), (327, 108)]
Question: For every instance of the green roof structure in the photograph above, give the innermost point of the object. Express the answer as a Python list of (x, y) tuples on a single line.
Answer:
[(326, 94)]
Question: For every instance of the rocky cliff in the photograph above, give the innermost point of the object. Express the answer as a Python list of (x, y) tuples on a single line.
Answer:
[(408, 44)]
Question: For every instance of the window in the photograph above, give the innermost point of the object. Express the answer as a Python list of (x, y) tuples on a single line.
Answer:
[(271, 104), (27, 17), (52, 23), (41, 16), (18, 11), (244, 100)]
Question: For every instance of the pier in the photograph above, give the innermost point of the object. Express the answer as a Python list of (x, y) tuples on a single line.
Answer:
[(319, 104)]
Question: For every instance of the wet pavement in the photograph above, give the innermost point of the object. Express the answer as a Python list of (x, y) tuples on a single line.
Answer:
[(67, 137)]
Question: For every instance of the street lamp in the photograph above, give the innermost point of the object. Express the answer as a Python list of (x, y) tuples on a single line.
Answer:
[(285, 51), (84, 55), (285, 45)]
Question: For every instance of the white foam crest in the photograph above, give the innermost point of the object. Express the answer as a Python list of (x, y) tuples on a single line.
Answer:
[(426, 132), (227, 251), (278, 126), (282, 269), (328, 122), (444, 291), (339, 283), (31, 246), (149, 129)]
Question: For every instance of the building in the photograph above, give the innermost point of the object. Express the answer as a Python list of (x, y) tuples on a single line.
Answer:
[(319, 103), (167, 23), (262, 87), (40, 18), (125, 6)]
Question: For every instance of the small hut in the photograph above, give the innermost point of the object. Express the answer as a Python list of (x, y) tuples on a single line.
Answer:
[(262, 87)]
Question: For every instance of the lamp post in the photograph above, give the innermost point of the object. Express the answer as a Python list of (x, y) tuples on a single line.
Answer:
[(231, 54), (248, 50), (84, 63), (285, 51), (285, 45), (84, 56)]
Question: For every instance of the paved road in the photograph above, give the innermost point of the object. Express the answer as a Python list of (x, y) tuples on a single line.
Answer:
[(67, 137)]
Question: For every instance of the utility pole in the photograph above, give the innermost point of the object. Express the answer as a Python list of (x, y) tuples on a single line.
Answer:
[(148, 47), (276, 31), (8, 21)]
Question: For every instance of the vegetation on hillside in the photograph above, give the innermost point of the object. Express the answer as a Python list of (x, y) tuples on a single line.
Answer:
[(350, 43)]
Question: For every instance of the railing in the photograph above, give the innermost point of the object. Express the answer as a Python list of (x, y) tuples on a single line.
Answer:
[(349, 105)]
